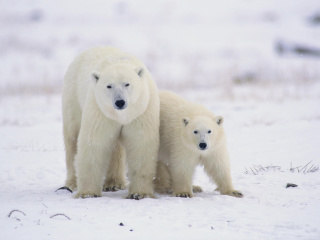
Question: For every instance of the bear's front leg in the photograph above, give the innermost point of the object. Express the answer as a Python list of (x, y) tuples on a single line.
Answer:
[(142, 153), (181, 168), (218, 169), (141, 169), (91, 165), (115, 178), (96, 143)]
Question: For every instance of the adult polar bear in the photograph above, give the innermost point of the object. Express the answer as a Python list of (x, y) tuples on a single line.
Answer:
[(190, 135), (110, 105)]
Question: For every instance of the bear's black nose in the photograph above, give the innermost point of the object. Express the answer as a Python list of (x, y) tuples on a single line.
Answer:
[(202, 146), (120, 103)]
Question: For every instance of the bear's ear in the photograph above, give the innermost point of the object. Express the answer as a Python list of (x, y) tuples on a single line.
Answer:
[(95, 77), (185, 121), (219, 120), (140, 71)]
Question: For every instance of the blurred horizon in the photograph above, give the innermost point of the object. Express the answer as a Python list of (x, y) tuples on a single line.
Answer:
[(186, 45)]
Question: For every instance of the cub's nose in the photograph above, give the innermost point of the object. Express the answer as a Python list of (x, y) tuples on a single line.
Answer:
[(203, 146), (120, 104)]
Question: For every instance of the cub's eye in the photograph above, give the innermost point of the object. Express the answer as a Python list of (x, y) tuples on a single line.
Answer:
[(127, 85), (109, 86), (195, 132), (209, 131)]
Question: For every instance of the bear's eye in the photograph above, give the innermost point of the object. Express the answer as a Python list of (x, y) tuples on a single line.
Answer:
[(109, 86), (209, 131), (195, 132), (127, 85)]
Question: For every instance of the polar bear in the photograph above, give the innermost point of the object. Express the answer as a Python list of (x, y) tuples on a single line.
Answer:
[(190, 135), (111, 108)]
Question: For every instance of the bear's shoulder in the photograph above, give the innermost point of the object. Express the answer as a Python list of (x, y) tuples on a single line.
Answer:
[(171, 101)]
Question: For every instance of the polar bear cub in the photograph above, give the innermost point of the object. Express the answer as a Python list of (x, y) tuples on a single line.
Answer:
[(190, 135), (111, 109)]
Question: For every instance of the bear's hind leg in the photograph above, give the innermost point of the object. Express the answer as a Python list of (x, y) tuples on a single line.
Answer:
[(163, 179), (70, 142)]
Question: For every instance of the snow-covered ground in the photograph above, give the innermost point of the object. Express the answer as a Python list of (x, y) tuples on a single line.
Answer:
[(218, 53), (283, 133)]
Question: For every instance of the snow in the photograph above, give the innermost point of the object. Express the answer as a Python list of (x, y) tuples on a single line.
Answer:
[(258, 132), (217, 53)]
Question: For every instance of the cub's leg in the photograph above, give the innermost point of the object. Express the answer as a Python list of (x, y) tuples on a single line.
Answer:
[(181, 168), (218, 169)]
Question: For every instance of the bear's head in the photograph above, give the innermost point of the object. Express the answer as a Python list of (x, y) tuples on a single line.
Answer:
[(202, 134), (121, 91)]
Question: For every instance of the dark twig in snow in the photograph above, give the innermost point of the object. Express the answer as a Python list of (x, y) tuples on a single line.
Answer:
[(15, 210), (291, 185), (256, 169), (60, 214), (64, 188), (305, 167)]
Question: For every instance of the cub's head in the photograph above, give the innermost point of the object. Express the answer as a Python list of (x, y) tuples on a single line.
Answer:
[(202, 134), (119, 87)]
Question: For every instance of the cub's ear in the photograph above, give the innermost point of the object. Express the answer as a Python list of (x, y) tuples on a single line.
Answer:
[(95, 77), (219, 120), (140, 71), (185, 121)]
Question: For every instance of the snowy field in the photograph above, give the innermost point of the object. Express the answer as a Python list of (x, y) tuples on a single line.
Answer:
[(281, 134), (222, 55)]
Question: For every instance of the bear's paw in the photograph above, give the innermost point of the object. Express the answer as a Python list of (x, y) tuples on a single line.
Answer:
[(112, 186), (184, 195), (235, 193), (139, 196), (196, 189), (86, 195)]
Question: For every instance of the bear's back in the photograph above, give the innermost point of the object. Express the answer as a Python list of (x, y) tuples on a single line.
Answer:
[(174, 108)]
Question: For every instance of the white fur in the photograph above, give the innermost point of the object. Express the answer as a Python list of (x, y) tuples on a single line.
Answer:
[(99, 133), (183, 127)]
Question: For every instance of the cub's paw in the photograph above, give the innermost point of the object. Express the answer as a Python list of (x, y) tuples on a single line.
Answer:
[(235, 193), (196, 189), (184, 194), (87, 195), (139, 196)]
